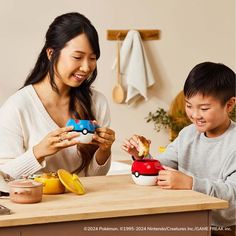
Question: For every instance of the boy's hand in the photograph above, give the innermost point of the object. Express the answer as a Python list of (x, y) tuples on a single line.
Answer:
[(131, 146), (174, 179)]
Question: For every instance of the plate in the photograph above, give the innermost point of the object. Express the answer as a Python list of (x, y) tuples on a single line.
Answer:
[(71, 182)]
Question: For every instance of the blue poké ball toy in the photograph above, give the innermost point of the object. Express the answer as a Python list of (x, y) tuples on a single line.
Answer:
[(86, 128)]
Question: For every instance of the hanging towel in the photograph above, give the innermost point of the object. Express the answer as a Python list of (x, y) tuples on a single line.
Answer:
[(134, 66)]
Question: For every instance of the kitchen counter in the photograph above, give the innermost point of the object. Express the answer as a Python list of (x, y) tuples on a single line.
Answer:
[(111, 201)]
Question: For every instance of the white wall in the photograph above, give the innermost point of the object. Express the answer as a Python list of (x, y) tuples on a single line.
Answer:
[(192, 31)]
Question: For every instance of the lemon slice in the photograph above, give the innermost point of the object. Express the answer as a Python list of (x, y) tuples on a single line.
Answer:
[(71, 182)]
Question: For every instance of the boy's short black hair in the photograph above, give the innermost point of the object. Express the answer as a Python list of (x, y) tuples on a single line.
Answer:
[(211, 79)]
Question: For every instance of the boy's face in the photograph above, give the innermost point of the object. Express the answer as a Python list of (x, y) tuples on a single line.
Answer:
[(208, 114)]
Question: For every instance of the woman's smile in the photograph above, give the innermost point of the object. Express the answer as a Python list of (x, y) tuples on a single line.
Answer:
[(79, 77)]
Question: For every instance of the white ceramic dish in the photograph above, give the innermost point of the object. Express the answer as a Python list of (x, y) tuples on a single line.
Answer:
[(144, 179), (25, 191), (84, 138)]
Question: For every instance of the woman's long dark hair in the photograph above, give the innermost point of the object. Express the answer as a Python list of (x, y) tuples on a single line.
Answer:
[(63, 29)]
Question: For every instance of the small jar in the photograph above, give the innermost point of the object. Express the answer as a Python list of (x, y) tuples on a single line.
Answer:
[(25, 191)]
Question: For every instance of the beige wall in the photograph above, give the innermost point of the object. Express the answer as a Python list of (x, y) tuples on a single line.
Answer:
[(192, 31)]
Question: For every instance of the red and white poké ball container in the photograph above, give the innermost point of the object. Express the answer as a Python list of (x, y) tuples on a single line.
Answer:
[(145, 171)]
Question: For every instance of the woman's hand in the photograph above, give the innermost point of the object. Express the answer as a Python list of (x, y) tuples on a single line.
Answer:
[(131, 146), (103, 138), (54, 142), (174, 179)]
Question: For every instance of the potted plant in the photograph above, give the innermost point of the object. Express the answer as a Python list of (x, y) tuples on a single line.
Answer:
[(162, 119), (175, 119)]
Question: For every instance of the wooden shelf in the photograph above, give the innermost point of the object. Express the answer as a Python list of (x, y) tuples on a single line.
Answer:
[(151, 34)]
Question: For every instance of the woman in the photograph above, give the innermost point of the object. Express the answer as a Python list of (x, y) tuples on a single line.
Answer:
[(32, 121)]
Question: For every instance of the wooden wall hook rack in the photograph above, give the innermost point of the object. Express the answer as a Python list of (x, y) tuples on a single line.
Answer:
[(151, 34)]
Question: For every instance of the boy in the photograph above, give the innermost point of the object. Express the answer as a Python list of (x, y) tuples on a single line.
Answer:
[(203, 156)]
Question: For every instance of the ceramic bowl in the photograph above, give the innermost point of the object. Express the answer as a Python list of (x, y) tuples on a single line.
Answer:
[(51, 183), (25, 191), (86, 128), (145, 171)]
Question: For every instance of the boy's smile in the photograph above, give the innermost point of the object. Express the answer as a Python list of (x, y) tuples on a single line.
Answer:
[(208, 114)]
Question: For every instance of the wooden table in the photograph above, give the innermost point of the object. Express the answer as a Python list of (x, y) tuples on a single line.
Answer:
[(113, 205)]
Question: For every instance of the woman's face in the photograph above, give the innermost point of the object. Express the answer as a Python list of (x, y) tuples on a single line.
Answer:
[(76, 62)]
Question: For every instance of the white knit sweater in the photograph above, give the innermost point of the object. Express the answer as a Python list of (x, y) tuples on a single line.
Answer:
[(24, 122)]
